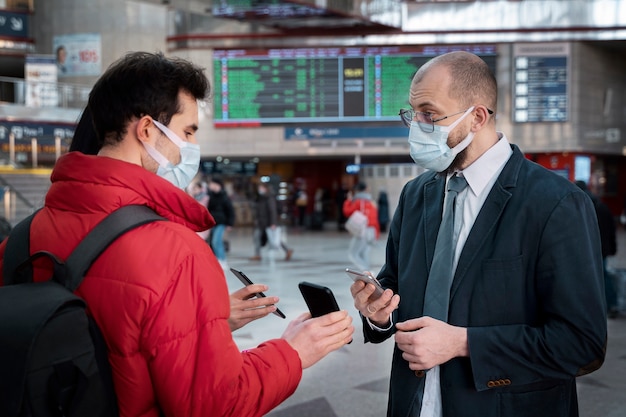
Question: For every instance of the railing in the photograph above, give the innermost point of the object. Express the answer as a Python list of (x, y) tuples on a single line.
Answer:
[(43, 94), (38, 119), (9, 203), (14, 205)]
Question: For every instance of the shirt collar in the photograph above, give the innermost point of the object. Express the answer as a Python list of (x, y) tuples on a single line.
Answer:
[(480, 173)]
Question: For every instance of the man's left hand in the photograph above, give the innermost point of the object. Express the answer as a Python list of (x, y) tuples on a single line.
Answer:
[(427, 342)]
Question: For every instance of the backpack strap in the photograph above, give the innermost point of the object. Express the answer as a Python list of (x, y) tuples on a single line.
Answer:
[(101, 236), (17, 250)]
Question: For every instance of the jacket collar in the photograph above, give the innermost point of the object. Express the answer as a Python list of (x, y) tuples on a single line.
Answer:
[(90, 184)]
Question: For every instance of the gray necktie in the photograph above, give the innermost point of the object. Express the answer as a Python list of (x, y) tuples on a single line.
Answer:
[(437, 295)]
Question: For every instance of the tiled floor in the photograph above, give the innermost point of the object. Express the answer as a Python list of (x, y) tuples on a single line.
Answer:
[(353, 381)]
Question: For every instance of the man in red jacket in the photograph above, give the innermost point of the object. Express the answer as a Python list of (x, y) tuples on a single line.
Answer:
[(157, 293)]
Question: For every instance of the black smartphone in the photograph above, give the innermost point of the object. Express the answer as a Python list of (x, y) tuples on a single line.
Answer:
[(246, 281), (319, 299), (367, 279)]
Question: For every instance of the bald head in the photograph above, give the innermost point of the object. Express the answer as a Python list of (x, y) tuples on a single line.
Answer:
[(471, 80)]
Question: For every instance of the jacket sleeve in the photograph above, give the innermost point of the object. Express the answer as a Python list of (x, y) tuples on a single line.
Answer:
[(388, 276), (196, 368)]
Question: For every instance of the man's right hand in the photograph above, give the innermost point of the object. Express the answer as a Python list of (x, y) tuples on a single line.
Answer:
[(379, 310), (246, 307), (314, 338)]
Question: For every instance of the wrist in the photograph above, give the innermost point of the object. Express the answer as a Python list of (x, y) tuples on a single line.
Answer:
[(462, 345), (381, 327)]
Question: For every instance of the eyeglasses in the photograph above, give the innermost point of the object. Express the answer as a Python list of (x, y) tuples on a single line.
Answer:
[(425, 120)]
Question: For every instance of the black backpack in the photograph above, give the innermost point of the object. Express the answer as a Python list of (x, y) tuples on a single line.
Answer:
[(53, 358), (5, 228)]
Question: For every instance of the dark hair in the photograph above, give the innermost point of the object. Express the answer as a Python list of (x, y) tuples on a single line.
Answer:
[(361, 186), (141, 84), (85, 139)]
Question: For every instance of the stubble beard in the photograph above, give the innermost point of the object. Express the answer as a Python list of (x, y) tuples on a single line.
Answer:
[(459, 160)]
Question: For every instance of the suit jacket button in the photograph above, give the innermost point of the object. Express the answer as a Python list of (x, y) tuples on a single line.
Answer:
[(420, 373), (491, 384)]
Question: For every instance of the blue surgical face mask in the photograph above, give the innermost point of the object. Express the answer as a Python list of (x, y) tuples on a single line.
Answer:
[(182, 173), (431, 150)]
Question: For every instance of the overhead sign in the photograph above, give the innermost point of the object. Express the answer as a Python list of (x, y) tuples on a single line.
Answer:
[(540, 82), (400, 132), (229, 168), (13, 24), (44, 133)]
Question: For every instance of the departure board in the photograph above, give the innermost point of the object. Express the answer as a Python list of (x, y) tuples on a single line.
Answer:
[(541, 79), (319, 85)]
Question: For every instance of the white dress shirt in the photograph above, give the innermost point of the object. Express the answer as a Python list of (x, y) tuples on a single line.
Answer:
[(480, 176)]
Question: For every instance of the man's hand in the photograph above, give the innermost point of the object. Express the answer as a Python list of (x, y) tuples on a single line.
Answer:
[(314, 338), (427, 342), (244, 307), (378, 311)]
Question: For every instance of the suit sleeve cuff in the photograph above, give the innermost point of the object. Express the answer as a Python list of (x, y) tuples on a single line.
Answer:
[(380, 329)]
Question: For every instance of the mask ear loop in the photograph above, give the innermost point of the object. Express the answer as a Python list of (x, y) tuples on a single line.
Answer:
[(156, 155), (171, 135), (448, 129), (468, 139)]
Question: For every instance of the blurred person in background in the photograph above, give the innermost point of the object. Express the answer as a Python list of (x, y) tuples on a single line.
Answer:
[(266, 221), (361, 246), (221, 208), (383, 210), (608, 241)]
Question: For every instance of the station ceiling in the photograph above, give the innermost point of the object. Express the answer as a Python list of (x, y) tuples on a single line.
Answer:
[(292, 23)]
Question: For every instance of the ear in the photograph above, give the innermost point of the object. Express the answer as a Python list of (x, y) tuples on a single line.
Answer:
[(481, 117), (145, 130)]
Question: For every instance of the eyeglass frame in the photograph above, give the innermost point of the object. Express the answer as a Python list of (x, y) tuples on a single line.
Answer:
[(431, 123)]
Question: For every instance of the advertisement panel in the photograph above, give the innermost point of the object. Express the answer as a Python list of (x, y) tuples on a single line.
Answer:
[(78, 54), (40, 74)]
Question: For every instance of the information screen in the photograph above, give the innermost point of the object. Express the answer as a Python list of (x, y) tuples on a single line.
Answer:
[(541, 79), (319, 85), (264, 9)]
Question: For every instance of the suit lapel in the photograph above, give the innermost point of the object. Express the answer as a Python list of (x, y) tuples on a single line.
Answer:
[(488, 217), (433, 207)]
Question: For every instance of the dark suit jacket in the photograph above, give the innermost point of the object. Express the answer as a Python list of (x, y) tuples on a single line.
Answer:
[(528, 286)]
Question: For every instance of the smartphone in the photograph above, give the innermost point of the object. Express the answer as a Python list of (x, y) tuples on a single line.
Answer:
[(368, 279), (319, 299), (246, 281)]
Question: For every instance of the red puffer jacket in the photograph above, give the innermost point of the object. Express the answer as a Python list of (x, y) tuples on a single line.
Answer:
[(160, 297)]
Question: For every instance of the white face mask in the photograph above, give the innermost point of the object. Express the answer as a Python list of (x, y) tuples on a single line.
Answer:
[(181, 174), (431, 150)]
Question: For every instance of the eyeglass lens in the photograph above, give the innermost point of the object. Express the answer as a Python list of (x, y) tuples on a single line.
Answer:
[(424, 120)]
